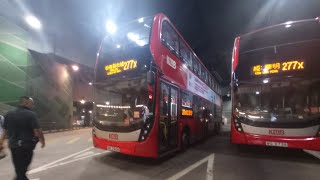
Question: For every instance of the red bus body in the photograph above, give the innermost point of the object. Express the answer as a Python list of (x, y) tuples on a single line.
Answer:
[(172, 72), (277, 44)]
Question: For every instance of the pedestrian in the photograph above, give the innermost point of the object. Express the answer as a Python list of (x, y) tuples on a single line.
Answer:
[(2, 153), (22, 128)]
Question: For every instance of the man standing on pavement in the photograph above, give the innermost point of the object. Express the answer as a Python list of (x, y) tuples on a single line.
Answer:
[(22, 128), (2, 153)]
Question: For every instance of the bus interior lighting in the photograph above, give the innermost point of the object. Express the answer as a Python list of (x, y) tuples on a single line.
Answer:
[(265, 81)]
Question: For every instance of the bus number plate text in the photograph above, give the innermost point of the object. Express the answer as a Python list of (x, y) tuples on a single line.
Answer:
[(278, 144), (115, 149)]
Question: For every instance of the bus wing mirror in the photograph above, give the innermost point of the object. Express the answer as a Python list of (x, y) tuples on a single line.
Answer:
[(150, 77)]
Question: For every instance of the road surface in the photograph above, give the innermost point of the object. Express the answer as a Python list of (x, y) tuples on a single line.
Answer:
[(70, 156)]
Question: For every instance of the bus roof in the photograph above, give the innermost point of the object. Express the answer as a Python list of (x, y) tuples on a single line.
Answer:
[(281, 34)]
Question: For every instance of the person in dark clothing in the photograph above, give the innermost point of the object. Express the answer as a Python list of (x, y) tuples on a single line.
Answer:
[(21, 126)]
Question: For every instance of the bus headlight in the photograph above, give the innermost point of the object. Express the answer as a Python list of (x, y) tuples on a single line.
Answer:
[(238, 126), (145, 130)]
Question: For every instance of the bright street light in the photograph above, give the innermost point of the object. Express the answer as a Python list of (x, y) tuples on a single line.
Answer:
[(33, 22), (75, 67), (111, 27), (140, 20), (90, 83), (82, 101)]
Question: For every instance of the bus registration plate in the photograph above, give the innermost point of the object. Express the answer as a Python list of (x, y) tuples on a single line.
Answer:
[(115, 149), (278, 144)]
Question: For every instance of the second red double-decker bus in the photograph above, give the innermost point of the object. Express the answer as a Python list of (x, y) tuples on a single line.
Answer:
[(276, 86), (152, 93)]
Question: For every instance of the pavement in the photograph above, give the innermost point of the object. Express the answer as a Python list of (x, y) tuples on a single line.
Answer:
[(69, 155)]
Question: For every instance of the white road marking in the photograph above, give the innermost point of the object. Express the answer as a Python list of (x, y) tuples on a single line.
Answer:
[(190, 168), (84, 154), (67, 162), (59, 160), (210, 168), (73, 140), (313, 153)]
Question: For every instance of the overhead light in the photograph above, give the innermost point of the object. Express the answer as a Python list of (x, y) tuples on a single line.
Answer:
[(75, 67), (288, 25), (90, 112), (118, 46), (133, 36), (82, 101), (33, 22), (265, 81), (111, 27), (257, 93), (140, 20), (90, 83), (107, 103)]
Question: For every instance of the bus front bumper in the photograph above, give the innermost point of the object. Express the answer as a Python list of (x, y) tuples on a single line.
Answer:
[(308, 143), (143, 149)]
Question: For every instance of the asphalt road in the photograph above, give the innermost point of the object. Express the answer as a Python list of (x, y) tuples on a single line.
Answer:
[(70, 156)]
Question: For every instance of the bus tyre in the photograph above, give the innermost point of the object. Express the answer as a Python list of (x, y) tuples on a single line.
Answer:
[(185, 140)]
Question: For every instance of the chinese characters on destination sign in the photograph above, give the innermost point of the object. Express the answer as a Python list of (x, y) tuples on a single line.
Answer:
[(277, 67), (119, 67)]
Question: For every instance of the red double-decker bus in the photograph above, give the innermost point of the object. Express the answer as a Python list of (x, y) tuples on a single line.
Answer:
[(153, 95), (276, 86)]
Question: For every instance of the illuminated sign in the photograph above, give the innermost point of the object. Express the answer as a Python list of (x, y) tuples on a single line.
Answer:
[(277, 67), (119, 67), (187, 112)]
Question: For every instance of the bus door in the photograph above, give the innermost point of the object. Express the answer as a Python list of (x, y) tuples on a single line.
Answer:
[(168, 122)]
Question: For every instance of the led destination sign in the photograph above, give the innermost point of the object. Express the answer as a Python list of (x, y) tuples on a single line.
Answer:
[(278, 67), (122, 66)]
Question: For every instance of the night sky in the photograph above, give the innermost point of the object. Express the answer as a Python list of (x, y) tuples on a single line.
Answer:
[(209, 26)]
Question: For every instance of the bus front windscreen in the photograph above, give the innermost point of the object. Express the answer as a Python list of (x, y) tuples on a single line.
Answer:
[(123, 106), (123, 99), (279, 86)]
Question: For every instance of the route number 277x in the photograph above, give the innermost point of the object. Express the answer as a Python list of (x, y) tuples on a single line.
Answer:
[(292, 65)]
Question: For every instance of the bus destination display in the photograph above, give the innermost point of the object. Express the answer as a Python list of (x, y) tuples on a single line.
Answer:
[(119, 67), (278, 67)]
